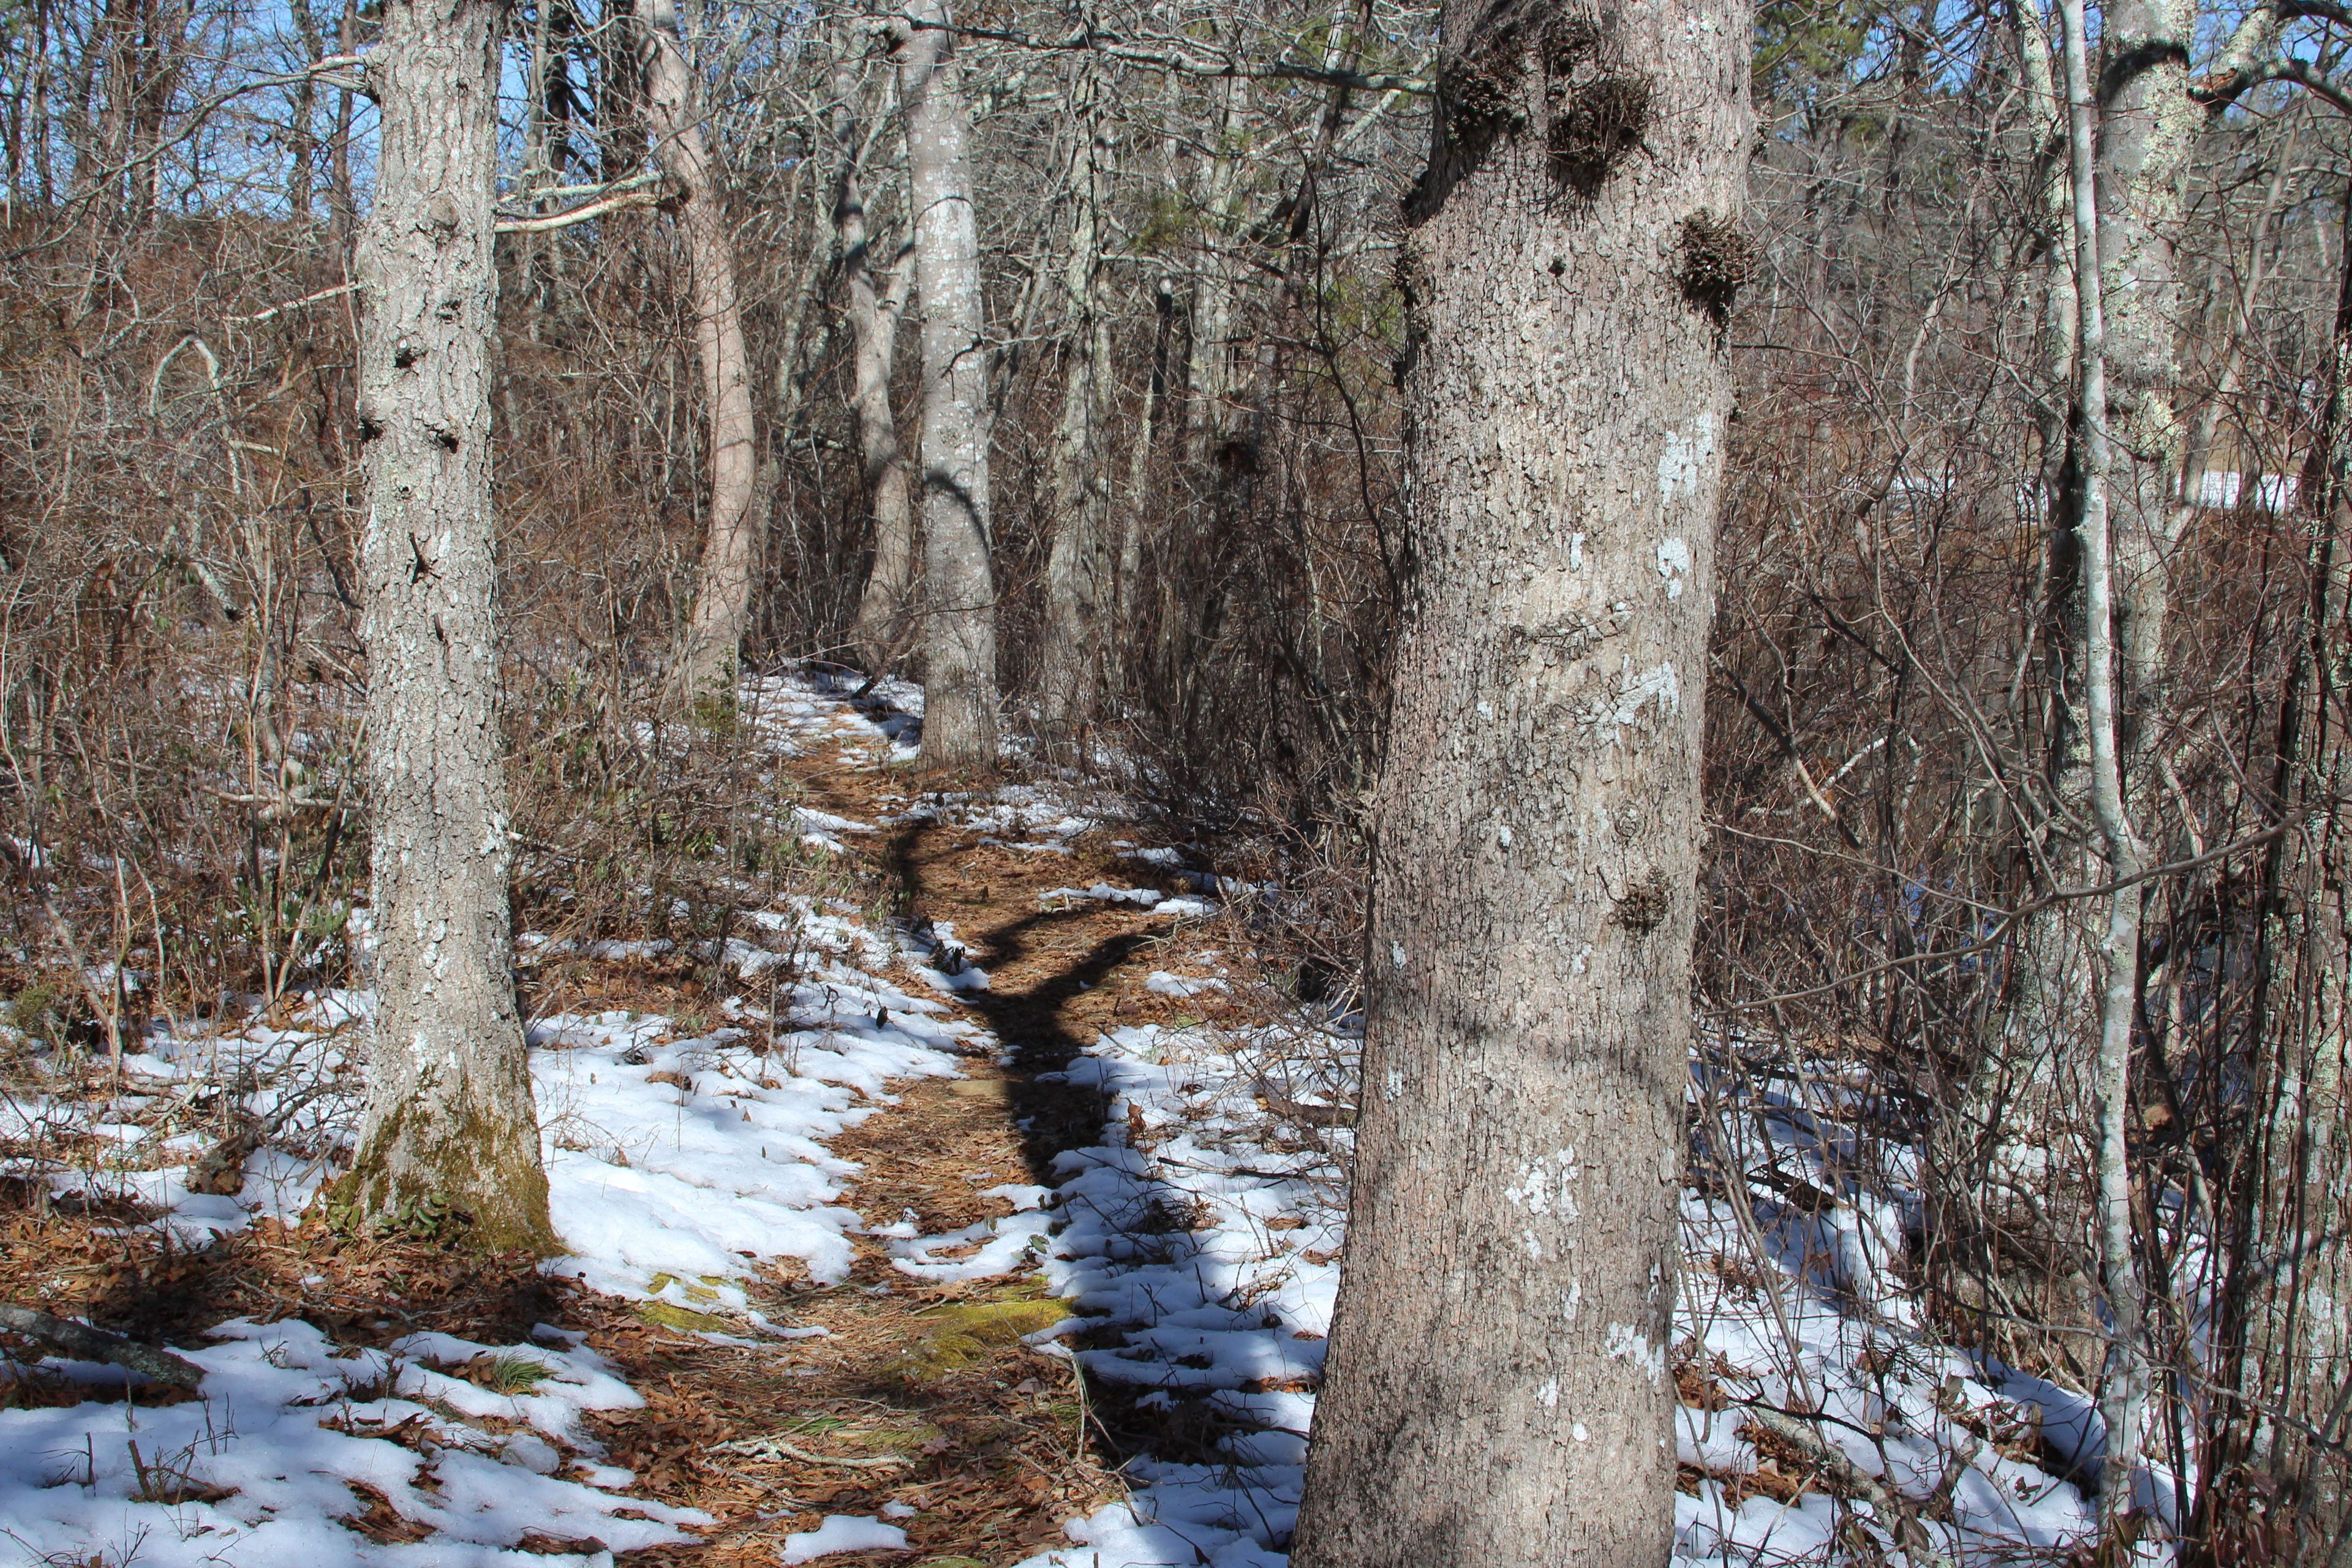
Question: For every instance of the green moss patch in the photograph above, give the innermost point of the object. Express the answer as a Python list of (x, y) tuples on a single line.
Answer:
[(960, 1334), (670, 1316)]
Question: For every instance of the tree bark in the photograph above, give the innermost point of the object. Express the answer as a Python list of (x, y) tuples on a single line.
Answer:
[(2123, 1390), (722, 597), (449, 1122), (960, 692), (888, 595), (1081, 573), (2148, 129), (1497, 1392)]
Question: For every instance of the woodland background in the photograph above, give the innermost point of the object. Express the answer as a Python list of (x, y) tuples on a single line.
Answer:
[(1892, 698)]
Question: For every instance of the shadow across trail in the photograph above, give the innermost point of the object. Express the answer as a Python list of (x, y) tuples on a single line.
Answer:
[(1035, 983)]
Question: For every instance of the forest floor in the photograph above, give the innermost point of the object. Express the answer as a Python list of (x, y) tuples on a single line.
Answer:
[(980, 1205)]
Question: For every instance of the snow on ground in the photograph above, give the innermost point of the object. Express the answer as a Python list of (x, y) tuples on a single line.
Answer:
[(675, 1163), (1204, 1228), (843, 1532), (260, 1472), (672, 1166), (1211, 1239)]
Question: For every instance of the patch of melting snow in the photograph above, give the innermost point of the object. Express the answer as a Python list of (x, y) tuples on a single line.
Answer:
[(1006, 1245), (1161, 983), (844, 1533), (1103, 893), (261, 1467)]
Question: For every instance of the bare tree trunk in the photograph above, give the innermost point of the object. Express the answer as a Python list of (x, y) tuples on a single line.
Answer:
[(449, 1120), (1209, 365), (2148, 129), (1081, 573), (302, 145), (1127, 596), (2123, 1390), (722, 597), (2298, 1335), (1497, 1392), (343, 222), (889, 596), (2021, 1155), (959, 693)]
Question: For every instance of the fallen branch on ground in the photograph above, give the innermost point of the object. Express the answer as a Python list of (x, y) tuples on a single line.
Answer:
[(777, 1448), (81, 1340)]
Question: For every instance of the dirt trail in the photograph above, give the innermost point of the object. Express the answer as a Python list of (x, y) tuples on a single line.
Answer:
[(918, 1395), (922, 1395)]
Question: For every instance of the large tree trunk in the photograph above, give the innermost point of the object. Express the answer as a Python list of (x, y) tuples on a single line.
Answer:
[(1081, 573), (888, 601), (960, 692), (722, 595), (1497, 1393), (448, 1122)]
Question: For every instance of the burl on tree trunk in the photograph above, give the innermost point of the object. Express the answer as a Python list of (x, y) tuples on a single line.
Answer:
[(1497, 1393)]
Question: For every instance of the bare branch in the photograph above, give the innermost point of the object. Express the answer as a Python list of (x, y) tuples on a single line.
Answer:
[(1169, 56)]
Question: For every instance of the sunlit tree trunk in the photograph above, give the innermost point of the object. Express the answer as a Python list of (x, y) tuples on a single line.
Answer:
[(448, 1123), (960, 695), (1497, 1393), (2148, 130), (887, 599), (1081, 573), (730, 549), (2018, 1152), (2123, 1391)]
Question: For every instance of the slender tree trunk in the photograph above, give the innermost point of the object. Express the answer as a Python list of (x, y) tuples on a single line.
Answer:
[(342, 220), (1081, 571), (722, 595), (2123, 1390), (889, 596), (2298, 1355), (1497, 1392), (108, 143), (2022, 1158), (449, 1120), (1128, 595), (302, 144), (960, 694), (1209, 367), (1203, 416)]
